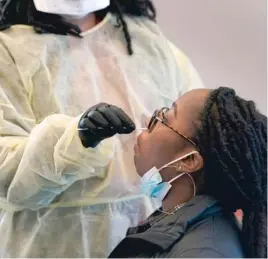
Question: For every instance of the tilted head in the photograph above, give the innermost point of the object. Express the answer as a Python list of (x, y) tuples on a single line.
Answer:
[(230, 137)]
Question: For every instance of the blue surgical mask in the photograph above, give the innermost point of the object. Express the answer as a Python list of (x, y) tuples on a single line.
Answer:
[(152, 183)]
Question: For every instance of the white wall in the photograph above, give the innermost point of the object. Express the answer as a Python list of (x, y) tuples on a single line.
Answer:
[(225, 39)]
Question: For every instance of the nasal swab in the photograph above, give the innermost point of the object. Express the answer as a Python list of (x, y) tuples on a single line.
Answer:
[(80, 129)]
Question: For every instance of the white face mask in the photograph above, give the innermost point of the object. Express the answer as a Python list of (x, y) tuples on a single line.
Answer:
[(71, 8), (153, 185)]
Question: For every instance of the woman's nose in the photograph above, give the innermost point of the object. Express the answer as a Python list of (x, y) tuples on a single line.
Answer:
[(140, 131)]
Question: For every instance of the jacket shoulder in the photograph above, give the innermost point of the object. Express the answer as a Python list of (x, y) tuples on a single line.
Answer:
[(216, 236)]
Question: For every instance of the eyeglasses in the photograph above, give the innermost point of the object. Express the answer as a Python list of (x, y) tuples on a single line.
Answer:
[(159, 115)]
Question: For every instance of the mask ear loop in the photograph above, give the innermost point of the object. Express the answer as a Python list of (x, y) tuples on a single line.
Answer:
[(152, 203), (174, 161), (181, 205), (171, 181)]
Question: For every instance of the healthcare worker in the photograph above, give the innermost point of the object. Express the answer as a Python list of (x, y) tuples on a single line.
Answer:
[(60, 196), (203, 159)]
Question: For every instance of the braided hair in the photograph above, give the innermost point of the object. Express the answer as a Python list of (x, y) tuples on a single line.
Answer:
[(233, 142), (24, 12)]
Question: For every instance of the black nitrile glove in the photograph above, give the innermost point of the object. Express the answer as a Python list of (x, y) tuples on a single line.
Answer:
[(103, 121)]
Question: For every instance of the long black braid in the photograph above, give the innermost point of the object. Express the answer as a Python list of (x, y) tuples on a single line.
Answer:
[(24, 12), (233, 142)]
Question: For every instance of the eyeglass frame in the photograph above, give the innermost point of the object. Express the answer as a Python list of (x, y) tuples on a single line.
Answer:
[(156, 118)]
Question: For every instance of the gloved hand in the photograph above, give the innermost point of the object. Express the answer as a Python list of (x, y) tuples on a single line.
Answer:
[(103, 121)]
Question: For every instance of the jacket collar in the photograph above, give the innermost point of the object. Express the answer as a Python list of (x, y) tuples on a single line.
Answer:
[(168, 230)]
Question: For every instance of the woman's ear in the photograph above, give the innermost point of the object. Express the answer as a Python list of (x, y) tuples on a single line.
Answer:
[(191, 164)]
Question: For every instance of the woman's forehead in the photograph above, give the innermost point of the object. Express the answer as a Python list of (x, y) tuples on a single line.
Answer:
[(185, 112), (192, 101)]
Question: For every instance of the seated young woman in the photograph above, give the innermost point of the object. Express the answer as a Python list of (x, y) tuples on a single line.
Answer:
[(203, 159)]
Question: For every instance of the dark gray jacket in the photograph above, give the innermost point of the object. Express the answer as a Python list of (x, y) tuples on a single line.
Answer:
[(199, 229)]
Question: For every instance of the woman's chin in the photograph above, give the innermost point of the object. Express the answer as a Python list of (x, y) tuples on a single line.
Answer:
[(136, 164)]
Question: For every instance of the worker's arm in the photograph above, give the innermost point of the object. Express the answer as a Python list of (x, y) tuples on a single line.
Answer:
[(38, 160)]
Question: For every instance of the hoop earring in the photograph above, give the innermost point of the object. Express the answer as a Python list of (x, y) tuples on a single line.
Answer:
[(179, 169), (192, 179)]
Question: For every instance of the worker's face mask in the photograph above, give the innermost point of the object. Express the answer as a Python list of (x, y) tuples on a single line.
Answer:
[(153, 185), (72, 8)]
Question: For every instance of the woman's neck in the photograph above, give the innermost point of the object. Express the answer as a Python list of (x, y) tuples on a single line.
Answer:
[(181, 192), (85, 23)]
